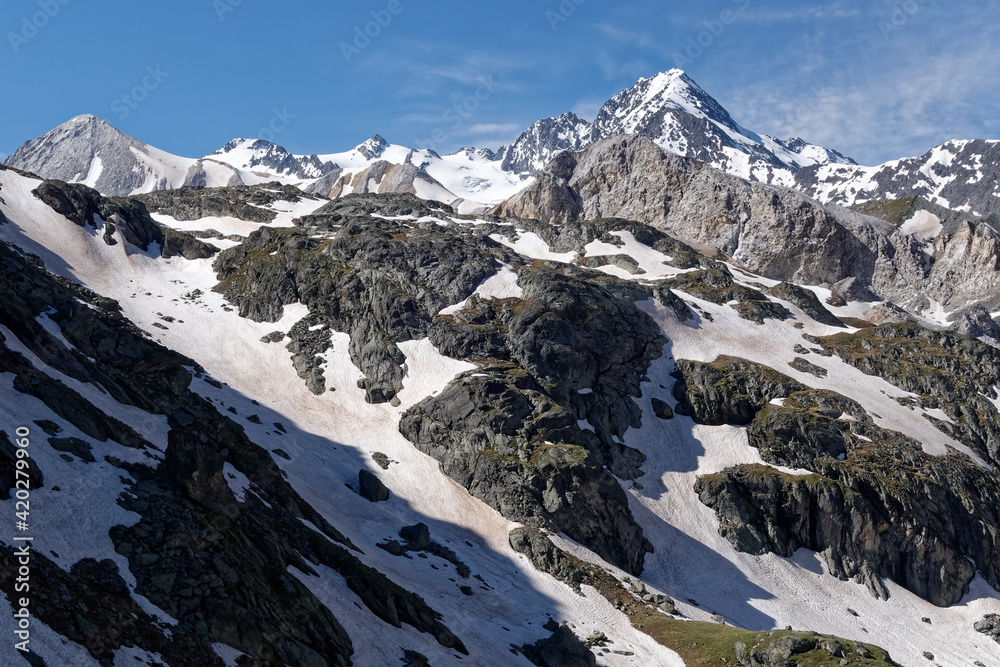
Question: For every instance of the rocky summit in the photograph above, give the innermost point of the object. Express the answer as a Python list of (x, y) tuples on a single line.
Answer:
[(651, 389)]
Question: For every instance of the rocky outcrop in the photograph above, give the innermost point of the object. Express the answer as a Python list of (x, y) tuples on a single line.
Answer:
[(807, 302), (546, 557), (729, 390), (790, 648), (946, 370), (242, 202), (381, 281), (502, 437), (371, 487), (976, 322), (85, 206), (561, 649), (715, 283), (882, 510), (990, 626), (773, 231)]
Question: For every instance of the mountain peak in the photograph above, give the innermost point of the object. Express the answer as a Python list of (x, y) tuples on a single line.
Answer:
[(373, 148)]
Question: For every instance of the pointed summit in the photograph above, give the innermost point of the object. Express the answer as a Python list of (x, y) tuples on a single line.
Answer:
[(84, 149), (373, 148)]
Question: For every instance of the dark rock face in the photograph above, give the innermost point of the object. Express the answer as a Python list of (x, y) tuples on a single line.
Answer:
[(546, 557), (510, 433), (874, 511), (561, 649), (380, 281), (242, 202), (502, 438), (86, 207), (729, 390), (418, 535), (371, 487)]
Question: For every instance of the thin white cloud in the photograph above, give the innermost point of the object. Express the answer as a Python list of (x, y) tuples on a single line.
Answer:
[(895, 96), (494, 128), (587, 109)]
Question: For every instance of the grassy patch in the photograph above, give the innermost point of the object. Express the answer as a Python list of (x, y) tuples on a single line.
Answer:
[(711, 645)]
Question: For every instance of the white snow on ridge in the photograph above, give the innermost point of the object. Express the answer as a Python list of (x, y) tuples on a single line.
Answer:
[(501, 285), (531, 245)]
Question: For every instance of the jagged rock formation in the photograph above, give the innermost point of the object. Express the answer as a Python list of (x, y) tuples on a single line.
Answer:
[(261, 155), (542, 141), (873, 510), (87, 207), (773, 231), (242, 202), (957, 175)]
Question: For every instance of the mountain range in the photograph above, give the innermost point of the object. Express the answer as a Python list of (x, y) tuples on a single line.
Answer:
[(669, 108), (648, 390)]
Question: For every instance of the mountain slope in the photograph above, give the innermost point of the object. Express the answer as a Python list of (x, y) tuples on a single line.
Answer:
[(466, 363), (87, 150), (774, 231)]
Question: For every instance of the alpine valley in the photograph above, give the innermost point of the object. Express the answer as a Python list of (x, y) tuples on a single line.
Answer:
[(649, 390)]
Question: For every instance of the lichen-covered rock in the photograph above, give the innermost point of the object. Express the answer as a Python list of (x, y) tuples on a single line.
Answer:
[(729, 390), (989, 626), (946, 370), (807, 301), (882, 510)]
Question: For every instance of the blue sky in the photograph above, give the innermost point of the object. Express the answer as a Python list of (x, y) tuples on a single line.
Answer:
[(876, 80)]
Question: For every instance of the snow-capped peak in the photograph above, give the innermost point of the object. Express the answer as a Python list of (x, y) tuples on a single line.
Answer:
[(373, 148)]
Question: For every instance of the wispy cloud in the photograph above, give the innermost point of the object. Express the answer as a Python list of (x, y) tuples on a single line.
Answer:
[(877, 99), (587, 109), (494, 128), (835, 10)]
